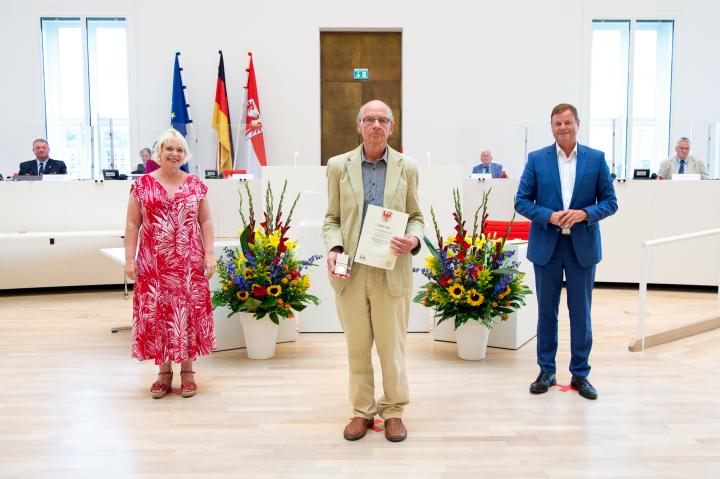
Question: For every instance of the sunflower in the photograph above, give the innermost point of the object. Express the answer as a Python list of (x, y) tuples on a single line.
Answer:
[(274, 290), (474, 298), (247, 273), (242, 295), (456, 291)]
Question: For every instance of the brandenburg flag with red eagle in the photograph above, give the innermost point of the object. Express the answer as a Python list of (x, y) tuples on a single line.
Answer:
[(221, 122), (254, 140)]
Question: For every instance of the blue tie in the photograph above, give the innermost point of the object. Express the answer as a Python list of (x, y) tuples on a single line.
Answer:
[(681, 170), (40, 168)]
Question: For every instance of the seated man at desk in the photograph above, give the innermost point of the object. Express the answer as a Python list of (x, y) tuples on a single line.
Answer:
[(682, 162), (42, 164), (487, 166)]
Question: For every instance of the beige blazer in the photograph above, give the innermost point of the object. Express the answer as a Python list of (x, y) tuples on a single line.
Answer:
[(346, 198), (694, 165)]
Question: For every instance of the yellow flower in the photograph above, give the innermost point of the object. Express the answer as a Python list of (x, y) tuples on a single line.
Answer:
[(242, 295), (247, 273), (474, 298), (291, 244), (456, 291), (431, 264), (450, 240), (306, 281), (284, 281), (274, 290), (274, 239)]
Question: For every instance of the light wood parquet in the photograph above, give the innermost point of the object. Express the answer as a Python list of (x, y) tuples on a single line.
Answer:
[(74, 405)]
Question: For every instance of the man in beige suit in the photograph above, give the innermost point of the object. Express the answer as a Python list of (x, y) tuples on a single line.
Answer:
[(373, 304), (683, 162)]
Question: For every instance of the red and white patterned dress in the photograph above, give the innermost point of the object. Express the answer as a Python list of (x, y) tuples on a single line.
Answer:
[(172, 313)]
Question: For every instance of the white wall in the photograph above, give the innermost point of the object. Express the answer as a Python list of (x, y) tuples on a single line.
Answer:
[(474, 75)]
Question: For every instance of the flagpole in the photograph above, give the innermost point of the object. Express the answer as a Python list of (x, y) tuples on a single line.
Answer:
[(241, 128), (191, 124), (185, 107)]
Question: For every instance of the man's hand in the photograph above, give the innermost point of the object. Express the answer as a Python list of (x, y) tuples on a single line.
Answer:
[(569, 217), (403, 244), (331, 266), (555, 217)]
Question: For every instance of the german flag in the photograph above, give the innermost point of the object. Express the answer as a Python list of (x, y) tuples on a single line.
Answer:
[(221, 121)]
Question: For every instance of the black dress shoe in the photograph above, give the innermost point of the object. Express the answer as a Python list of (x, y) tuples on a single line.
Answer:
[(585, 389), (543, 383)]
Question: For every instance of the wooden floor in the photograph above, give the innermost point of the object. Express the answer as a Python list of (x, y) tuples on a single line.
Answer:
[(74, 405)]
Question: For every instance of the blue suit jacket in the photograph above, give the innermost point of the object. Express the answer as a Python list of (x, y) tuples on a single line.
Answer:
[(539, 195), (495, 169)]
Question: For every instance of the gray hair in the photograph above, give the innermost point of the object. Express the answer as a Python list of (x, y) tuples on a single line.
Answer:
[(40, 140), (171, 134), (361, 113), (682, 138)]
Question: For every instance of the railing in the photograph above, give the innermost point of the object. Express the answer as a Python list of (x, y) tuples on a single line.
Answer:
[(644, 261)]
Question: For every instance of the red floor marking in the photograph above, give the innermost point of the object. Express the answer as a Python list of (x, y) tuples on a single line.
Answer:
[(565, 387), (376, 425)]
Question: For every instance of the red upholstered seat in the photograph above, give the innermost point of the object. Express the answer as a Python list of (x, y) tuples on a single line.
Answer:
[(519, 229)]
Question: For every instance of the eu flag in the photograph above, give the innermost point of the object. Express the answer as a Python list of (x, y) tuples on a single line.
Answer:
[(179, 116)]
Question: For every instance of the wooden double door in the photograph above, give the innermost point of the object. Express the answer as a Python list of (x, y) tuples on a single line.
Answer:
[(342, 96)]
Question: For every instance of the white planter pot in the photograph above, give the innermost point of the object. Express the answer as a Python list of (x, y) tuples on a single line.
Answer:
[(472, 339), (260, 336)]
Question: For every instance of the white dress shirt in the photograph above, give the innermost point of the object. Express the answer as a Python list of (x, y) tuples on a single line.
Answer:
[(566, 167)]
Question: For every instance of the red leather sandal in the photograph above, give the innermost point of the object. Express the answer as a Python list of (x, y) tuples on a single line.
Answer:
[(187, 389), (160, 389)]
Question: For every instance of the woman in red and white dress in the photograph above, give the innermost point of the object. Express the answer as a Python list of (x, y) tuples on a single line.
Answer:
[(169, 216)]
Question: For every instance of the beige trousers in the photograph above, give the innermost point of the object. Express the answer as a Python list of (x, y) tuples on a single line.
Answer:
[(369, 313)]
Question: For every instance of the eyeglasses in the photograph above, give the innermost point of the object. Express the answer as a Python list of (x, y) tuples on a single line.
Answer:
[(369, 120)]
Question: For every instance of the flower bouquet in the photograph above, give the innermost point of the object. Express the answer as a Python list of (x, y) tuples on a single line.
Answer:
[(471, 276), (263, 276)]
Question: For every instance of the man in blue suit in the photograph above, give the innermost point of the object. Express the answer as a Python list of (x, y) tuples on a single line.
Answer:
[(42, 164), (487, 166), (565, 190)]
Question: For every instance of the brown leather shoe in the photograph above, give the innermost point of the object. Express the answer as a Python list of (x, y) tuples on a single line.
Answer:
[(395, 430), (357, 428)]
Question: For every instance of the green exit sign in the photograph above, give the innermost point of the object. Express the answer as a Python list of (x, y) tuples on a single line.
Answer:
[(361, 74)]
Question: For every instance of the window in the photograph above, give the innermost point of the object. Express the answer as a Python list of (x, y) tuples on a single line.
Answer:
[(86, 93), (630, 91)]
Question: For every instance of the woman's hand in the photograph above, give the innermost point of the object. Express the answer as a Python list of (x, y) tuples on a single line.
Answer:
[(210, 265), (131, 269)]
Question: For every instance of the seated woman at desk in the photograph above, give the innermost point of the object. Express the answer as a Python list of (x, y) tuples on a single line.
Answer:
[(169, 216)]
